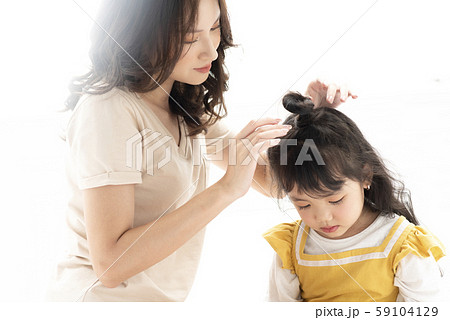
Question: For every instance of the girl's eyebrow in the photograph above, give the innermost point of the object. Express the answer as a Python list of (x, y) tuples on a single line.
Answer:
[(197, 31), (297, 199), (324, 196)]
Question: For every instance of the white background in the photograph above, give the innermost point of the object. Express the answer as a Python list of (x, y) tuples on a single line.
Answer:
[(394, 56)]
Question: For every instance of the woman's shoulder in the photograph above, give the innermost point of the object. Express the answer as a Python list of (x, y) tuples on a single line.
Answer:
[(116, 103), (114, 97)]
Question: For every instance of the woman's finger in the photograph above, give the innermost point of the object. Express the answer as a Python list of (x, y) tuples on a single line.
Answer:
[(272, 127), (351, 94), (255, 137), (331, 93), (323, 82), (255, 124), (344, 93)]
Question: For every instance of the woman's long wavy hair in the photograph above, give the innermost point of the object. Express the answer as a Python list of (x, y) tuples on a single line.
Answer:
[(153, 32), (345, 152)]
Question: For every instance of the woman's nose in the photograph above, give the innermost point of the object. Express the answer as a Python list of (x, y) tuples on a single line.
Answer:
[(209, 49)]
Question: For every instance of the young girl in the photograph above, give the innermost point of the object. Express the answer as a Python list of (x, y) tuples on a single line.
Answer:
[(358, 238), (136, 221)]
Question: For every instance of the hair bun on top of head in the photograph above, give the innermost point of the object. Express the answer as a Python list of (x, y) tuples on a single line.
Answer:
[(298, 104)]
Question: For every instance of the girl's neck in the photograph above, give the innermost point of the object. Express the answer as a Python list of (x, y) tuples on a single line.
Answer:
[(366, 219)]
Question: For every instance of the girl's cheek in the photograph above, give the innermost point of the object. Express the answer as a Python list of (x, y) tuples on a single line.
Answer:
[(339, 213), (345, 212), (307, 219)]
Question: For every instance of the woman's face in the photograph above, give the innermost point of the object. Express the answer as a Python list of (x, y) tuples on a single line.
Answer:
[(200, 48)]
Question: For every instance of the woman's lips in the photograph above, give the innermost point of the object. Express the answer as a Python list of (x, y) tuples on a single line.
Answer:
[(204, 69), (330, 229)]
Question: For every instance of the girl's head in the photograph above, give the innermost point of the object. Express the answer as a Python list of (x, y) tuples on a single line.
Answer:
[(141, 44), (329, 170)]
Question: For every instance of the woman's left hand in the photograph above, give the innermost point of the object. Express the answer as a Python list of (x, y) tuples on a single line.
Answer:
[(325, 94)]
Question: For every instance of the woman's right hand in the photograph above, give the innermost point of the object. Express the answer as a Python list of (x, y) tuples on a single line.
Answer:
[(243, 153)]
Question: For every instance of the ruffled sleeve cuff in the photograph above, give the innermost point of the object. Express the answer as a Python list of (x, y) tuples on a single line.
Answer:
[(421, 243), (280, 238)]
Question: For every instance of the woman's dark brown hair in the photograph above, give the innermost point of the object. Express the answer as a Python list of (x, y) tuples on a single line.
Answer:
[(153, 33), (346, 155)]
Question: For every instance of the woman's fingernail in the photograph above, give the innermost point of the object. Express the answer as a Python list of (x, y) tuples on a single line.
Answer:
[(274, 142), (330, 99)]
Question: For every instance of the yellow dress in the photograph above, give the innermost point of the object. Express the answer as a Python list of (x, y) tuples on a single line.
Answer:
[(363, 274)]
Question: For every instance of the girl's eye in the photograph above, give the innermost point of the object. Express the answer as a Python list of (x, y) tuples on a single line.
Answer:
[(215, 28), (332, 202), (337, 202)]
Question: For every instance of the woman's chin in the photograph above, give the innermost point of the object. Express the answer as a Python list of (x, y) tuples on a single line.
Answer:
[(198, 79), (196, 83)]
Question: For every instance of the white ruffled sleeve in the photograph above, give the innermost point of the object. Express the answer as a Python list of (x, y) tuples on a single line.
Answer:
[(283, 284), (420, 279)]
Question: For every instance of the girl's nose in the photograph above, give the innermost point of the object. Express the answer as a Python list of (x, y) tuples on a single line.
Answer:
[(324, 216)]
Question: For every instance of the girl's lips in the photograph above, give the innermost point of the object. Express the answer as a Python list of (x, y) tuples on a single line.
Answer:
[(330, 229)]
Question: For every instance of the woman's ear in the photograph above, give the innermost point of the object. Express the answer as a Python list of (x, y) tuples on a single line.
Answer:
[(368, 175)]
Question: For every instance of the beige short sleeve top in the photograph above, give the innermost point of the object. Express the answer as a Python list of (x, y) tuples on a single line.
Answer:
[(115, 139)]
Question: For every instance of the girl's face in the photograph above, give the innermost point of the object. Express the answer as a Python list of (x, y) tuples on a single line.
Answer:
[(337, 216), (200, 48)]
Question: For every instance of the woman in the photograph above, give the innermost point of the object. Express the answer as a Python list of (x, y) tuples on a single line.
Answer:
[(139, 202)]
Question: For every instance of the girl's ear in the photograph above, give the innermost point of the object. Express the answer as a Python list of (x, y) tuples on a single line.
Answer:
[(368, 175)]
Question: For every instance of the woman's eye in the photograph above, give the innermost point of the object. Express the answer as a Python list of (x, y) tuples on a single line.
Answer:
[(302, 207), (196, 39), (191, 42)]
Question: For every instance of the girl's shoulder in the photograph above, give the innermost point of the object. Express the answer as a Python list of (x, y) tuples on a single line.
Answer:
[(281, 238), (282, 232), (414, 239), (420, 242)]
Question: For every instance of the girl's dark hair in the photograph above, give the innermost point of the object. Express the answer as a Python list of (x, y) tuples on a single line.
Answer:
[(346, 155), (153, 32)]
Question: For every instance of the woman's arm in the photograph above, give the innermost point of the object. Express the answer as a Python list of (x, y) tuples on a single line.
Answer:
[(262, 180), (109, 216), (119, 251)]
